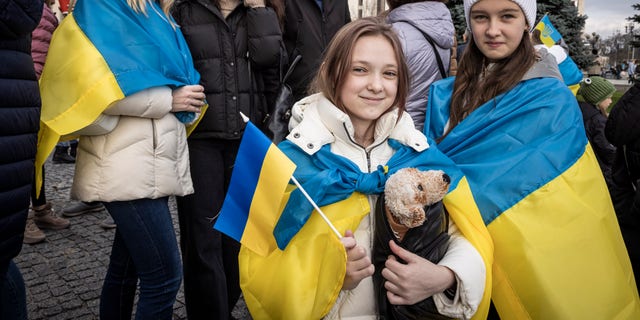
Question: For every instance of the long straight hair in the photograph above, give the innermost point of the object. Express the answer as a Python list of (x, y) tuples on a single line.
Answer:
[(474, 85), (337, 60)]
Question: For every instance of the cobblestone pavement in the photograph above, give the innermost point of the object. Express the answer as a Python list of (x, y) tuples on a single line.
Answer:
[(63, 275)]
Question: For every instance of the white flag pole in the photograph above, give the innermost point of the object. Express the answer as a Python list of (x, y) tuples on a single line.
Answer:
[(306, 195), (324, 217)]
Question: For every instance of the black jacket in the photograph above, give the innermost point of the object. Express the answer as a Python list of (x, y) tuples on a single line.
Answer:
[(594, 124), (237, 58), (19, 121), (623, 131), (307, 32)]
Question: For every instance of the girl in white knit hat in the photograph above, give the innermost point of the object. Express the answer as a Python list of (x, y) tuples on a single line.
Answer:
[(513, 127)]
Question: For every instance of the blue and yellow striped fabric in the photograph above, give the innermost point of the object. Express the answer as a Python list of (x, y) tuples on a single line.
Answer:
[(549, 35), (557, 248), (251, 207), (101, 53)]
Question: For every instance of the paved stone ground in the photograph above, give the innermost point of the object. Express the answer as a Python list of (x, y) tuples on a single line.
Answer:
[(63, 275)]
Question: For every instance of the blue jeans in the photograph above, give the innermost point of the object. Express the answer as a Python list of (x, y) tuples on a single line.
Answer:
[(13, 299), (144, 248)]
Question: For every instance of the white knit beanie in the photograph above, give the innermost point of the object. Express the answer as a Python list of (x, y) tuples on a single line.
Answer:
[(528, 7)]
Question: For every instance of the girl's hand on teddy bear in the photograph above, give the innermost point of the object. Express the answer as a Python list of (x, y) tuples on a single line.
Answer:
[(417, 279), (359, 265)]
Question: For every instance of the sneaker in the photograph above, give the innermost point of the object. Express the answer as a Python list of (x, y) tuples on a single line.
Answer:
[(108, 223), (32, 234), (45, 218), (82, 207)]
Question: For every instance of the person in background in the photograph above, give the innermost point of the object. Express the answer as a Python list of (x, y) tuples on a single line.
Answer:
[(236, 47), (412, 19), (19, 121), (132, 153), (623, 132), (597, 67), (510, 123), (42, 215), (597, 93), (308, 28)]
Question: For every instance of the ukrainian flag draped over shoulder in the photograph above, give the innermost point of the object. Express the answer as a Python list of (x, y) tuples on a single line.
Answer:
[(538, 188), (310, 268), (101, 53)]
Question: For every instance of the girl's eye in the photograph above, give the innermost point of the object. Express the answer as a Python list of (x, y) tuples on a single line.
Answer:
[(390, 74), (479, 17), (508, 16), (359, 69)]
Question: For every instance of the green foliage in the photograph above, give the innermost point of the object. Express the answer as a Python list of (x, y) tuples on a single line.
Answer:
[(562, 13)]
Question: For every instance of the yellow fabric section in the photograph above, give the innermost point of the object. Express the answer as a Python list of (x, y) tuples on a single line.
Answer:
[(304, 280), (265, 211), (464, 212), (75, 87), (574, 88), (561, 266)]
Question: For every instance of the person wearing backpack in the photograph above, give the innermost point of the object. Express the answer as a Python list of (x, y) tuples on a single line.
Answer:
[(428, 59)]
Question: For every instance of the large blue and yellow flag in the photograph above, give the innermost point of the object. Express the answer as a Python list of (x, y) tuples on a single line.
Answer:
[(251, 207), (101, 53), (558, 251), (311, 265)]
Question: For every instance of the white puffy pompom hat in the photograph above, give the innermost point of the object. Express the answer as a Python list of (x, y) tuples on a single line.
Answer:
[(528, 7)]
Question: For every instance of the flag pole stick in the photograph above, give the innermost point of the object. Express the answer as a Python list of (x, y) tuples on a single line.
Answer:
[(304, 192), (313, 203)]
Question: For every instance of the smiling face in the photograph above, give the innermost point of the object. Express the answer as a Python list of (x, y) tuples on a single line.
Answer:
[(498, 27), (371, 82)]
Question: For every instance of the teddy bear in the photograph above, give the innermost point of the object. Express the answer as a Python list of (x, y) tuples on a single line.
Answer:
[(407, 192), (410, 213)]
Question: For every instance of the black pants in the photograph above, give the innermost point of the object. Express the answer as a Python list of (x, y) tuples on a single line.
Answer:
[(210, 258)]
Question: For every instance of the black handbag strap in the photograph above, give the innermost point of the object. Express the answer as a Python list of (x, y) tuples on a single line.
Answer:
[(290, 69), (443, 73)]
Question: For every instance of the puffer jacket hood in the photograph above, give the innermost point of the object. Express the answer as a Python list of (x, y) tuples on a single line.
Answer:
[(430, 17), (410, 21)]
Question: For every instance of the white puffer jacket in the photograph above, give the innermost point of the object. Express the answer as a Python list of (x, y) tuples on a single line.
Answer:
[(144, 156), (316, 122)]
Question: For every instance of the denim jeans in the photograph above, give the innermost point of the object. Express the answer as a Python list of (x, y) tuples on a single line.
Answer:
[(13, 299), (144, 248)]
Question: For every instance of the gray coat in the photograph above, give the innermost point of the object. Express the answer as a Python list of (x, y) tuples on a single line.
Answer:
[(434, 19)]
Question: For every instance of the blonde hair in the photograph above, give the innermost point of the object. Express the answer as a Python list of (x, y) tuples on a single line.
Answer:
[(140, 6)]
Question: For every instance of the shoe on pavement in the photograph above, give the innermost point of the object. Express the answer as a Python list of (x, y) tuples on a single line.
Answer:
[(81, 207), (108, 223), (32, 234), (61, 155), (45, 218)]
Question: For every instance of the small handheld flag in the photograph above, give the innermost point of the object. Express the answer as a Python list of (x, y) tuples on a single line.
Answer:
[(258, 182), (251, 207), (549, 35)]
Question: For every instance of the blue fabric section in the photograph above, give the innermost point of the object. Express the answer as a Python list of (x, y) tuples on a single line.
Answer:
[(570, 72), (142, 50), (329, 178), (537, 123), (235, 211)]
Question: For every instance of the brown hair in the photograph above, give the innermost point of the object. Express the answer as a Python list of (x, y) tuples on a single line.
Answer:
[(473, 86), (396, 3), (337, 60)]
